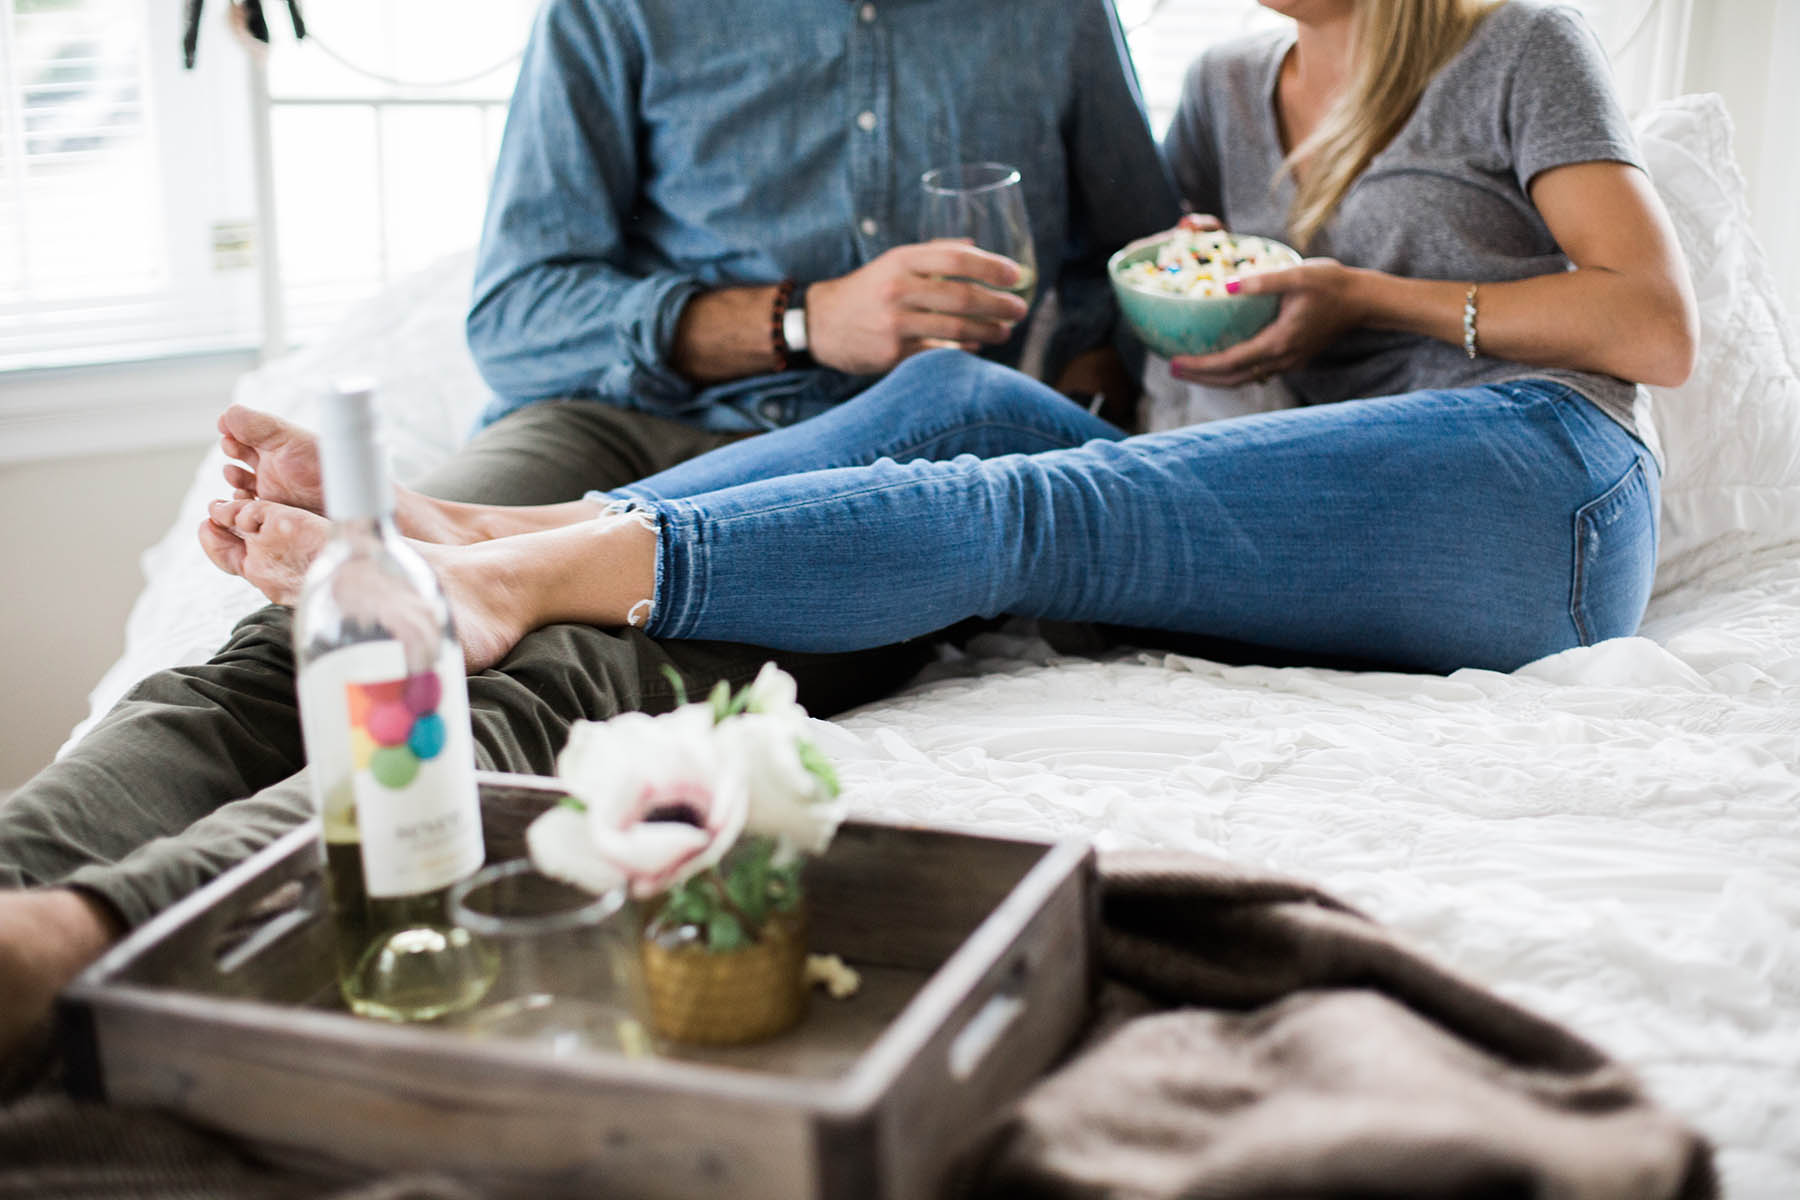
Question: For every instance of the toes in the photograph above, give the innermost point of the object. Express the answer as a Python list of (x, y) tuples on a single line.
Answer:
[(238, 450), (243, 515), (244, 481), (222, 548)]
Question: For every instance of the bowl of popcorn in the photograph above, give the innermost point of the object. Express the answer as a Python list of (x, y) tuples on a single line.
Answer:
[(1171, 288)]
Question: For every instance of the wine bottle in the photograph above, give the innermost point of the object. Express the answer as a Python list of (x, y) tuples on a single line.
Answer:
[(384, 711)]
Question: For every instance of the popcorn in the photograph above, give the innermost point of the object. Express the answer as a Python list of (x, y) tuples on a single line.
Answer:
[(1197, 263), (839, 978)]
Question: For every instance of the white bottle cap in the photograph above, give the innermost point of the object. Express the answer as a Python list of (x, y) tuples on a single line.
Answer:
[(350, 454)]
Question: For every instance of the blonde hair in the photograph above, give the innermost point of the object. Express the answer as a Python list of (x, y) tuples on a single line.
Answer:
[(1398, 46)]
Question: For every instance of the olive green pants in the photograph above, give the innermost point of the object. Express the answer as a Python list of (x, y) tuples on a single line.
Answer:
[(199, 767)]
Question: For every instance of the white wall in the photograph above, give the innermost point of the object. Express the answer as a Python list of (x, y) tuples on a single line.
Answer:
[(71, 537), (1749, 52)]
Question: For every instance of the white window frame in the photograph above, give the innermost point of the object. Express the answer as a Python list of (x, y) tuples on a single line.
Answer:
[(196, 120)]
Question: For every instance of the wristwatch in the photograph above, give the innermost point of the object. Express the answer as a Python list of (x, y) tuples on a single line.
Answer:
[(793, 328)]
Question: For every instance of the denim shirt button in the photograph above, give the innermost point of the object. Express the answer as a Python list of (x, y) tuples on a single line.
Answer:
[(865, 121), (869, 227), (867, 13), (770, 409)]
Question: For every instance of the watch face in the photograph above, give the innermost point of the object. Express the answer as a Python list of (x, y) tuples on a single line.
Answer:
[(793, 329)]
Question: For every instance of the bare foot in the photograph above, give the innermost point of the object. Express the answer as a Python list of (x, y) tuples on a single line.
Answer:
[(46, 939), (280, 461), (486, 600), (272, 545), (269, 544)]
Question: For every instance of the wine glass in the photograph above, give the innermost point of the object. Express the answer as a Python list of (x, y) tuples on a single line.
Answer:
[(984, 204), (569, 977)]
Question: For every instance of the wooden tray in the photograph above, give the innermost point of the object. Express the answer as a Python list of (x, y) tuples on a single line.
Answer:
[(978, 968)]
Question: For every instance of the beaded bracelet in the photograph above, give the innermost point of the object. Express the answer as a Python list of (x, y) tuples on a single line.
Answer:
[(1469, 347), (784, 293)]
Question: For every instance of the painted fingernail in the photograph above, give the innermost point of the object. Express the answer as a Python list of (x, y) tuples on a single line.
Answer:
[(1232, 286)]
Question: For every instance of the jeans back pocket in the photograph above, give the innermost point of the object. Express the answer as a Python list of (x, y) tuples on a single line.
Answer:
[(1615, 556)]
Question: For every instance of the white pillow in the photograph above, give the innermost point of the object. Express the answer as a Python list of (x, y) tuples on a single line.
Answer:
[(1731, 433)]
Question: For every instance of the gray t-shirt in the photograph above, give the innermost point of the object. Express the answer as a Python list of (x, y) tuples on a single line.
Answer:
[(1446, 199)]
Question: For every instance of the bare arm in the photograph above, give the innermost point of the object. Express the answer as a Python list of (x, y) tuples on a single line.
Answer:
[(1627, 309)]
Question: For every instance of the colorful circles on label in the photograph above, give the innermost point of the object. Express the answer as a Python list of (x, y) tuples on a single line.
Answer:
[(394, 766), (427, 736), (395, 726), (421, 695)]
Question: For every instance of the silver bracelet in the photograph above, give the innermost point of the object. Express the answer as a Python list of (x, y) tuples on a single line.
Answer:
[(1469, 347)]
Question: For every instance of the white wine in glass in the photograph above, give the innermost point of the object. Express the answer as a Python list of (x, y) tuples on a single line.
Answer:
[(984, 204)]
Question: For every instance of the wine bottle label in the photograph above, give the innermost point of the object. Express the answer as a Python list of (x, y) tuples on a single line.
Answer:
[(393, 765)]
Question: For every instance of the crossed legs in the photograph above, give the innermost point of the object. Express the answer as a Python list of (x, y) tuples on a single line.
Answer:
[(508, 570)]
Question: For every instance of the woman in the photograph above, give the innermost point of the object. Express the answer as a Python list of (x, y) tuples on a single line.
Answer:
[(1468, 483)]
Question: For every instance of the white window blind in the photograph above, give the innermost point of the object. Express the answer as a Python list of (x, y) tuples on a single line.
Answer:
[(120, 197)]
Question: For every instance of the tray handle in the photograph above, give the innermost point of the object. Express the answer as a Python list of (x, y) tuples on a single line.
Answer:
[(984, 1030), (289, 907)]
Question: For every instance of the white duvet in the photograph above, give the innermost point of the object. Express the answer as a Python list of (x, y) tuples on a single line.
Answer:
[(1610, 836)]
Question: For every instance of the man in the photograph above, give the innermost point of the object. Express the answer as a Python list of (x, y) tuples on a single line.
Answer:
[(667, 168)]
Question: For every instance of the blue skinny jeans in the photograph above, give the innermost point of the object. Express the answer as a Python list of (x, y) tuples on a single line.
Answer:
[(1475, 527)]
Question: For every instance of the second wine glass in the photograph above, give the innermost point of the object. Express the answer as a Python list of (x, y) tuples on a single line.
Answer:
[(984, 204)]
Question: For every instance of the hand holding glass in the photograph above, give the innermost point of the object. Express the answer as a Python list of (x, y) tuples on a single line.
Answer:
[(983, 204)]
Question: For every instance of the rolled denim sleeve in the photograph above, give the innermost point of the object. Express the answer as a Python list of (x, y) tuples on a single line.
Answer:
[(564, 303), (1119, 186)]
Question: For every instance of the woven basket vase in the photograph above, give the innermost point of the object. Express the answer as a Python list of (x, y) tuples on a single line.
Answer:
[(704, 998)]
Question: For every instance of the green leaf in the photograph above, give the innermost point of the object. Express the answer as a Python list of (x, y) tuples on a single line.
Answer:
[(676, 683), (725, 705), (747, 879), (720, 699), (818, 766), (690, 903), (572, 802), (725, 933)]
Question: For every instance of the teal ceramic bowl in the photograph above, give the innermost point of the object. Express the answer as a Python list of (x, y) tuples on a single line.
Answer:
[(1170, 324)]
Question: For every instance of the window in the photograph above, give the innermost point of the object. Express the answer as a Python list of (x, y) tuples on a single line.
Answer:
[(129, 190), (118, 173), (1166, 35), (384, 124)]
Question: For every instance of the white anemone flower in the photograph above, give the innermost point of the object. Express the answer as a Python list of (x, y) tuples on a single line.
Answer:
[(787, 801), (663, 801)]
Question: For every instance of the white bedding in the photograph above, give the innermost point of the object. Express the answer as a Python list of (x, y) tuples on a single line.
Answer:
[(1611, 835)]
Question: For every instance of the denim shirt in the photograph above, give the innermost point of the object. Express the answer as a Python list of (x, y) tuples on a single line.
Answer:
[(658, 148)]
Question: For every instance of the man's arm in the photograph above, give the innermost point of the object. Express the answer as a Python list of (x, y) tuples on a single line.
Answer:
[(557, 309), (863, 323)]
